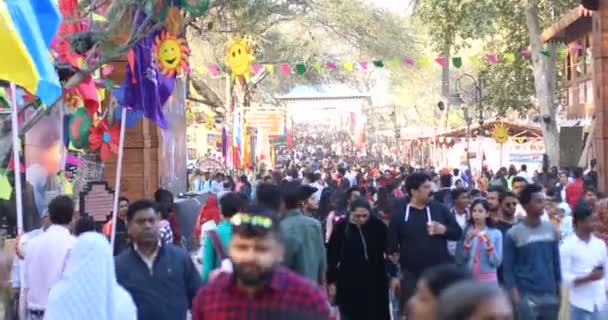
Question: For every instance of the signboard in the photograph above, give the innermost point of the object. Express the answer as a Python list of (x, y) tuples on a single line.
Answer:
[(96, 201), (271, 122)]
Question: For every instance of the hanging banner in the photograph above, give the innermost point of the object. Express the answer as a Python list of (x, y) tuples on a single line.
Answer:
[(271, 122)]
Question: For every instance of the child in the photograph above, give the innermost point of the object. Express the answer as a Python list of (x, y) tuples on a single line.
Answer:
[(481, 249)]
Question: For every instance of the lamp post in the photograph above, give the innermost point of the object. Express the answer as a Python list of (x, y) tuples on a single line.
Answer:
[(458, 101)]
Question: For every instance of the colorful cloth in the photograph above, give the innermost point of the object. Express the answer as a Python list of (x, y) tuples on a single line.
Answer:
[(287, 296), (166, 236)]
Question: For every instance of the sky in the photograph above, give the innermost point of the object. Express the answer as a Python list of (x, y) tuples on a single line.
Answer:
[(395, 5)]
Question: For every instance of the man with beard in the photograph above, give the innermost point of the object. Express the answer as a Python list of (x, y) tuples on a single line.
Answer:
[(259, 288), (493, 195), (418, 233), (161, 278)]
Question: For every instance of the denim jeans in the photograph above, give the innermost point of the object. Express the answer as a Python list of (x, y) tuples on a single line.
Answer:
[(581, 314), (538, 307)]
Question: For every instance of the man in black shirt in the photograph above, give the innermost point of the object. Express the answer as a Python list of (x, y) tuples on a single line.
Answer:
[(418, 233), (507, 219)]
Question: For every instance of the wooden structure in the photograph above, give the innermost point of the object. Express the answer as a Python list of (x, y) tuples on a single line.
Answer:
[(140, 178), (588, 29)]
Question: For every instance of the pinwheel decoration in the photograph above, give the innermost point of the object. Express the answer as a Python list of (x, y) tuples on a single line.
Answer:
[(104, 139)]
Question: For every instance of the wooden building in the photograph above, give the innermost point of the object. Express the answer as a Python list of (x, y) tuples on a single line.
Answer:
[(586, 71)]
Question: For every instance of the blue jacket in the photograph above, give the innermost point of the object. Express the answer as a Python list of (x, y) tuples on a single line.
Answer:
[(489, 261), (531, 259), (166, 292)]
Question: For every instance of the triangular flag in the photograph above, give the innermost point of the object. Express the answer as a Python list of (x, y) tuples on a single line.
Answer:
[(545, 53), (576, 47), (200, 70), (440, 61), (457, 62), (363, 65), (348, 66), (213, 69), (409, 61), (561, 51), (269, 68), (5, 188), (256, 68), (394, 63), (378, 63), (300, 69), (317, 67), (509, 57), (493, 58), (331, 66), (424, 63), (526, 52), (474, 60), (285, 68)]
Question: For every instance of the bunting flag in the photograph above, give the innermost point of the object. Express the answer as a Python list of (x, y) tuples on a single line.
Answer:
[(440, 61), (378, 63), (363, 65), (457, 62), (300, 69), (317, 67), (270, 68), (409, 61), (256, 68), (493, 58), (509, 57), (576, 47), (28, 27), (285, 68), (331, 66), (348, 66)]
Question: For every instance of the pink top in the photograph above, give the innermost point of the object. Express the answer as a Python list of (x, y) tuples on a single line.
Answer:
[(45, 259)]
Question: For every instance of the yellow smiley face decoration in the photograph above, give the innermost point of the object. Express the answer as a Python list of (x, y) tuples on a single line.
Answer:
[(500, 133), (170, 54), (239, 57)]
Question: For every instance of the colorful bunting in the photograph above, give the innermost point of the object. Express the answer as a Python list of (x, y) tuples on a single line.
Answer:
[(285, 68), (457, 62), (213, 69), (394, 63), (474, 60), (576, 47), (363, 65), (493, 58), (424, 63), (348, 66), (331, 66), (440, 61), (270, 68), (409, 61), (378, 63), (526, 52), (545, 53), (256, 68), (317, 67), (300, 69)]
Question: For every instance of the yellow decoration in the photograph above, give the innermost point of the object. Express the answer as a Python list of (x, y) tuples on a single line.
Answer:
[(171, 54), (239, 57), (5, 188), (348, 66), (270, 68), (500, 133)]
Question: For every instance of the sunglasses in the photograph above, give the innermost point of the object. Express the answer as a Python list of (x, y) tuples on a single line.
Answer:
[(240, 219)]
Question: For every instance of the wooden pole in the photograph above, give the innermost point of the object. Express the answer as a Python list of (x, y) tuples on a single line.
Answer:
[(121, 147)]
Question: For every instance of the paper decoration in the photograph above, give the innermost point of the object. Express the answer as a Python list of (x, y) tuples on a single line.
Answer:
[(493, 58), (561, 52), (285, 68), (80, 128), (457, 62), (317, 67), (545, 53), (300, 69), (331, 66), (500, 133), (6, 190), (239, 57), (509, 57), (170, 54), (348, 66), (363, 65), (196, 8), (576, 47), (526, 52), (440, 61), (256, 68), (474, 60), (104, 139), (213, 69), (270, 68), (378, 63), (394, 63), (424, 63), (409, 61), (200, 70)]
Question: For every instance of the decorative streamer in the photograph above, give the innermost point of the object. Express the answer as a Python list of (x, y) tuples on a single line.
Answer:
[(440, 61), (394, 63), (457, 62), (300, 69), (270, 68), (317, 67), (363, 65), (285, 68), (474, 60), (424, 63), (331, 66), (378, 63), (409, 61), (348, 66), (213, 69), (256, 68)]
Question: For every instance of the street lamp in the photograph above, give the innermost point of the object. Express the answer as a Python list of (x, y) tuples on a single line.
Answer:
[(457, 100)]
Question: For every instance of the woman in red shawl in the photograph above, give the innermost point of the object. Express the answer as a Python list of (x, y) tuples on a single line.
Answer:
[(207, 218)]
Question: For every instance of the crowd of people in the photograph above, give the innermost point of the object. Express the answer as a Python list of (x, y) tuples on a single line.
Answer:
[(330, 236)]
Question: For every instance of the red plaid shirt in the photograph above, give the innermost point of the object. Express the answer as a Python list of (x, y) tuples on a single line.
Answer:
[(288, 296)]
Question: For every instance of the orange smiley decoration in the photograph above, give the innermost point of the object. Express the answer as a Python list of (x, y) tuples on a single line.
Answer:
[(170, 54)]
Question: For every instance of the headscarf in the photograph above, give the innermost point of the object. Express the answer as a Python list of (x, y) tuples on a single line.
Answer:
[(88, 289), (210, 211)]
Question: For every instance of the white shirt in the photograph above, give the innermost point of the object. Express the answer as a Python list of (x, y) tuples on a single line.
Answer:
[(578, 259), (149, 261), (320, 188)]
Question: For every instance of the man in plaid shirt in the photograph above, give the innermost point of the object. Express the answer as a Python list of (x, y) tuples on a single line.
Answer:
[(259, 288)]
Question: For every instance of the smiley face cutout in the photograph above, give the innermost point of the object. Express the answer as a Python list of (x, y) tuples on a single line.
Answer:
[(239, 57), (170, 54)]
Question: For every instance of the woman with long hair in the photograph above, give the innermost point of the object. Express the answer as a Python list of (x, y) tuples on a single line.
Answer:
[(481, 249)]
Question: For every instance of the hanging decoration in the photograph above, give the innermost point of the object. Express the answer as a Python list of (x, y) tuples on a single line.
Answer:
[(500, 133), (80, 128), (104, 139), (196, 8), (170, 53), (239, 57)]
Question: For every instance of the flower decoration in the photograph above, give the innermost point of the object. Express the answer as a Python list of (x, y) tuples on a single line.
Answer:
[(104, 139), (170, 53), (239, 57)]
